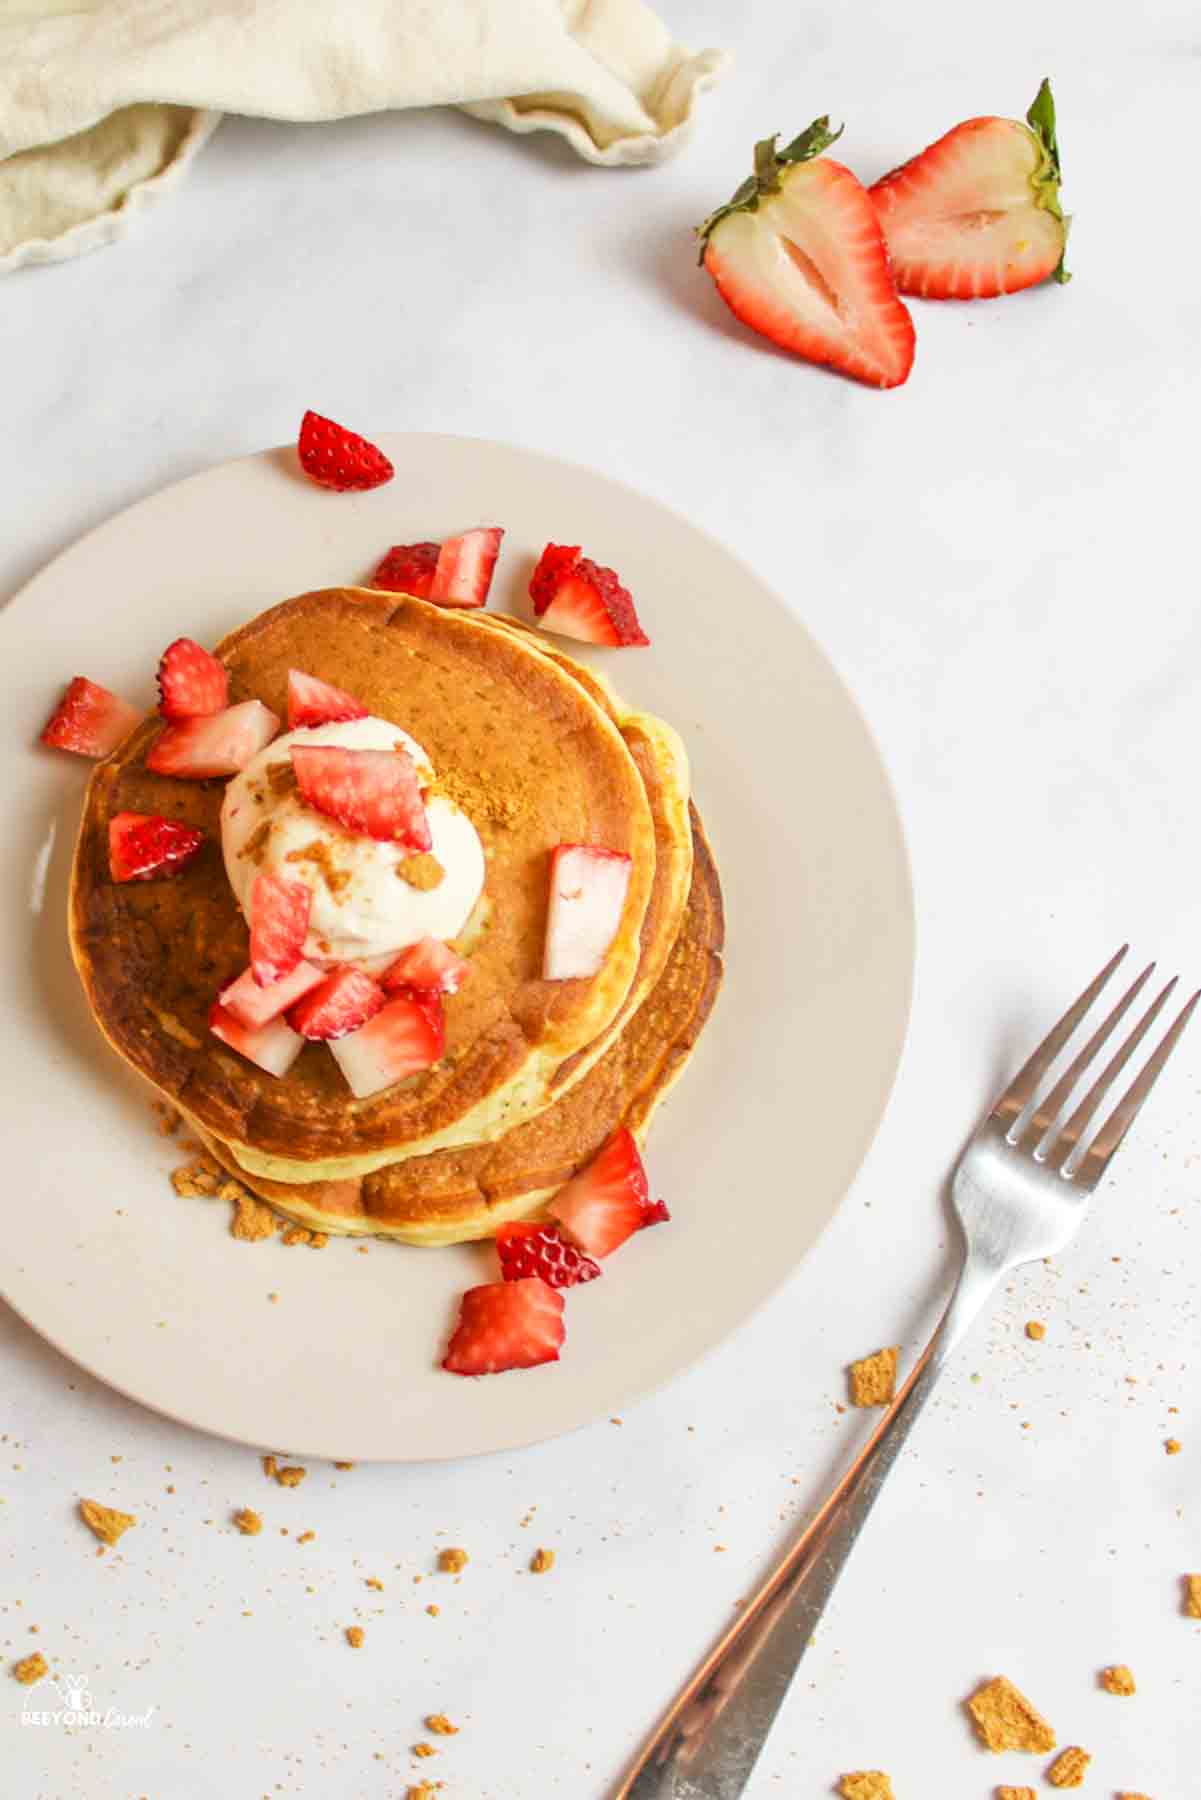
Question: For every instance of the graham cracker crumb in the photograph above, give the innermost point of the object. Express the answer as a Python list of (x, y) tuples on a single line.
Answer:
[(1173, 1446), (542, 1562), (1067, 1771), (318, 853), (1192, 1596), (866, 1784), (105, 1522), (424, 1790), (281, 778), (196, 1180), (433, 1610), (269, 1467), (453, 1561), (1118, 1679), (317, 1241), (1005, 1719), (306, 1537), (1012, 1793), (292, 1476), (372, 1582), (248, 1523), (1125, 1796), (424, 1750), (344, 1465), (30, 1669), (1036, 1329), (251, 1221), (256, 843), (297, 1234), (354, 1636), (873, 1379), (441, 1726), (481, 803), (423, 872)]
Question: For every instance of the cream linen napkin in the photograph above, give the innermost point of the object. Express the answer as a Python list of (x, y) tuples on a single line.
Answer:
[(103, 103)]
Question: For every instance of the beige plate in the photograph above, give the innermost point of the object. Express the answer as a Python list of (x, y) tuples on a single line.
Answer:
[(149, 1292)]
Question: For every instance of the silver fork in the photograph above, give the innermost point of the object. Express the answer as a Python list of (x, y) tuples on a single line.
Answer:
[(1020, 1191)]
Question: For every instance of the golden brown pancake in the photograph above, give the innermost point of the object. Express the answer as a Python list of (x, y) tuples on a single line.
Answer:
[(456, 1195), (536, 761)]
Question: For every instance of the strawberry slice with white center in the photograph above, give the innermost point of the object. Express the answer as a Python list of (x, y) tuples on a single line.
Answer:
[(506, 1325), (218, 744), (977, 214), (463, 573), (336, 458), (373, 792), (430, 966), (578, 598), (799, 256), (191, 682), (405, 1037), (89, 720), (274, 1047), (143, 845), (609, 1200), (279, 924), (252, 1005), (537, 1248), (587, 896), (314, 702), (343, 1002), (407, 569)]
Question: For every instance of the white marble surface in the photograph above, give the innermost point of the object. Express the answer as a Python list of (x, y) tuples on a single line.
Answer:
[(1000, 558)]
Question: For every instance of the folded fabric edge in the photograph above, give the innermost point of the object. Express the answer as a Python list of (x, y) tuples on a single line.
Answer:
[(105, 228)]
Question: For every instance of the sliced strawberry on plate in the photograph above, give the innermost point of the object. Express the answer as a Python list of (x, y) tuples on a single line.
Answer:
[(428, 965), (274, 1046), (340, 459), (587, 896), (343, 1002), (252, 1005), (143, 845), (407, 569), (608, 1201), (405, 1037), (314, 702), (977, 214), (373, 792), (218, 744), (799, 256), (583, 600), (89, 720), (463, 573), (279, 924), (532, 1247), (191, 682), (506, 1325)]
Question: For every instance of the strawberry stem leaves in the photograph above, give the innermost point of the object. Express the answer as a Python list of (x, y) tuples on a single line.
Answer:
[(1049, 174), (769, 162)]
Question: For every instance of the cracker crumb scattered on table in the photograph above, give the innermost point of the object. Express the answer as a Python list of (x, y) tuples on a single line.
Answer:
[(344, 1465), (452, 1561), (270, 1466), (873, 1379), (196, 1180), (423, 1790), (866, 1784), (105, 1522), (354, 1636), (1192, 1596), (1036, 1329), (440, 1725), (1012, 1793), (291, 1476), (251, 1221), (30, 1669), (1118, 1679), (1005, 1719), (248, 1522), (542, 1562), (1067, 1771), (433, 1610), (424, 1750), (372, 1582), (306, 1537), (1173, 1446)]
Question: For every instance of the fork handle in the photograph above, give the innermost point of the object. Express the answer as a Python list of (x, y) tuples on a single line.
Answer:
[(708, 1743)]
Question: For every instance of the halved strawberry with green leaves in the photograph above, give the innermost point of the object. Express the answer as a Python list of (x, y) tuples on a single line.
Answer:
[(407, 569), (191, 682), (218, 744), (89, 720), (977, 214), (279, 924), (608, 1200), (337, 458), (373, 792), (143, 845), (506, 1325), (314, 702), (403, 1038), (342, 1003), (430, 966), (799, 256), (579, 598), (536, 1247)]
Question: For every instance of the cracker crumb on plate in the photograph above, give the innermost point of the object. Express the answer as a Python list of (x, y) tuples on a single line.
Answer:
[(1005, 1719), (873, 1379)]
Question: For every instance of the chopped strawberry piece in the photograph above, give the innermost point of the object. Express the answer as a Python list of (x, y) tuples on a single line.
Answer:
[(587, 896), (343, 1002), (428, 965), (313, 702), (373, 792), (506, 1325), (577, 598), (89, 720), (274, 1046), (279, 924), (340, 459), (219, 744), (536, 1248), (464, 571), (252, 1005), (608, 1201), (191, 683), (404, 1038), (143, 845), (407, 569)]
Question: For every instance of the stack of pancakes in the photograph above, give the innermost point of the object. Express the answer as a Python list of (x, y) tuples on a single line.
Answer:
[(537, 1074)]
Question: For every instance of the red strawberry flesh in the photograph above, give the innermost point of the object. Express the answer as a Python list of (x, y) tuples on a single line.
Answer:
[(274, 1047), (143, 845), (342, 1003), (340, 459), (556, 561), (191, 682), (608, 1200), (404, 1038), (218, 744), (89, 720), (430, 966), (587, 897), (373, 792), (463, 573), (253, 1006), (314, 702), (407, 569), (540, 1249), (506, 1325), (279, 924)]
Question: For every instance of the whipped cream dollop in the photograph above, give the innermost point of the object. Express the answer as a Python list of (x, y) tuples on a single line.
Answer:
[(363, 910)]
